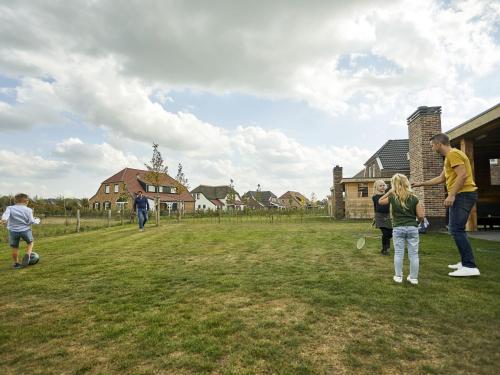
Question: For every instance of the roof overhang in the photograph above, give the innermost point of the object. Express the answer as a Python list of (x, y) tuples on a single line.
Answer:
[(474, 123), (364, 180)]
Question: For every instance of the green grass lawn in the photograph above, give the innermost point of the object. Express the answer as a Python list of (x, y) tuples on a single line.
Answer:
[(249, 298)]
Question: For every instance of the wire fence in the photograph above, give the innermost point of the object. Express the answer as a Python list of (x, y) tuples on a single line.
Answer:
[(74, 221)]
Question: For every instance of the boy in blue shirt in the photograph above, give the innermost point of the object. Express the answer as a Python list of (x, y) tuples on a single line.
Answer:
[(19, 219)]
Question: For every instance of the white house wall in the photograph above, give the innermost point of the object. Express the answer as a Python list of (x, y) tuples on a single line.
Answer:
[(203, 201)]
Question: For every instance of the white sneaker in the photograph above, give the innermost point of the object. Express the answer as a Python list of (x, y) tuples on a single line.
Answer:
[(413, 281), (455, 266), (398, 279), (465, 271)]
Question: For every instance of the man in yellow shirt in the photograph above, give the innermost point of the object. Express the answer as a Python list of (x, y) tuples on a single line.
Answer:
[(462, 195)]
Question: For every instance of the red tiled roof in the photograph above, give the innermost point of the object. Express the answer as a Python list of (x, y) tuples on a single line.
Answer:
[(216, 202), (132, 178)]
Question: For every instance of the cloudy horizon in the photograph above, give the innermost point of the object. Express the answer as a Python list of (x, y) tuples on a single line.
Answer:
[(270, 93)]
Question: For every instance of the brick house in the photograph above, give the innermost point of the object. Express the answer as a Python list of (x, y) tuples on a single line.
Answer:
[(478, 137), (119, 190), (356, 191), (216, 197), (293, 200)]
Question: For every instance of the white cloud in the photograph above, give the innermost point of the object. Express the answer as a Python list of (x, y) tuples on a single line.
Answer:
[(277, 162), (97, 159), (277, 48), (22, 165), (112, 67)]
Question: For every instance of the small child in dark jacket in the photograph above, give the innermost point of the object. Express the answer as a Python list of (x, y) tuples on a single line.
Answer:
[(382, 216)]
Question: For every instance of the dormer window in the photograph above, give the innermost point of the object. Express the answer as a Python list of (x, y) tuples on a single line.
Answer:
[(173, 190), (151, 189)]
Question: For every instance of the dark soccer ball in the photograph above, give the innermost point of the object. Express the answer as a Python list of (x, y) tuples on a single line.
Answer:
[(34, 258)]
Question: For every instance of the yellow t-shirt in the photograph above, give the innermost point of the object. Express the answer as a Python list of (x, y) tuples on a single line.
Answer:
[(456, 157)]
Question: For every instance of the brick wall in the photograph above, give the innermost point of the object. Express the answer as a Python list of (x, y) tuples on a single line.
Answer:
[(424, 163), (337, 194), (101, 195)]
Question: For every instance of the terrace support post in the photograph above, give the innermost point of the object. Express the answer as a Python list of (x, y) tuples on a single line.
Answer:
[(78, 221), (467, 147)]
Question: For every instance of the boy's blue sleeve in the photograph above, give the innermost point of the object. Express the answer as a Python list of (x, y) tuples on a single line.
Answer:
[(6, 214), (32, 219)]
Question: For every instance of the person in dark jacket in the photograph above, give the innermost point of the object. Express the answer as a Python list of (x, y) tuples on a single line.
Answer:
[(382, 216), (141, 206)]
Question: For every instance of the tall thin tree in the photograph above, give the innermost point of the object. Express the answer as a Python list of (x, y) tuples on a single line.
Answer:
[(181, 186), (156, 171)]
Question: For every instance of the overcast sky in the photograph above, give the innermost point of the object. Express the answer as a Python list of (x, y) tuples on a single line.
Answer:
[(262, 92)]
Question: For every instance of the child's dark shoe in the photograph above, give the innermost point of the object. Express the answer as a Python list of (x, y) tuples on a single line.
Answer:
[(17, 266)]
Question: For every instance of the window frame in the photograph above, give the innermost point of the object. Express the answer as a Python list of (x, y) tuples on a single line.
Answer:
[(362, 190)]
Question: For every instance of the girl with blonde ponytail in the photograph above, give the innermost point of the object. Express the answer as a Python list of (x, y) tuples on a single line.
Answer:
[(406, 210)]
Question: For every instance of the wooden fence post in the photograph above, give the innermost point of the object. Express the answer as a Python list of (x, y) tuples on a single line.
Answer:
[(78, 221), (109, 217)]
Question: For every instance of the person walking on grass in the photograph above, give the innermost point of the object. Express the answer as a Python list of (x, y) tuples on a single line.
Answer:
[(141, 206), (19, 219), (406, 209), (382, 216), (462, 196)]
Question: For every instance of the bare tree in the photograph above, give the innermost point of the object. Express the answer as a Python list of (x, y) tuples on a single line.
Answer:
[(156, 171), (180, 177), (258, 194), (231, 197), (313, 200), (181, 186)]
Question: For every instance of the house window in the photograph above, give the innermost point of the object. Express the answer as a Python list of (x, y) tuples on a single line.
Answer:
[(96, 206), (204, 206), (106, 189), (117, 188), (494, 172), (121, 205), (362, 190), (197, 195), (173, 190), (107, 205), (151, 189), (199, 206)]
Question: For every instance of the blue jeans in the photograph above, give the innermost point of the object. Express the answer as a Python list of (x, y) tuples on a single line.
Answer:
[(142, 216), (459, 214), (401, 235)]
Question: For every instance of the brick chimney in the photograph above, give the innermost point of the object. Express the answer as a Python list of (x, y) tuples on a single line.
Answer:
[(425, 163), (337, 194)]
